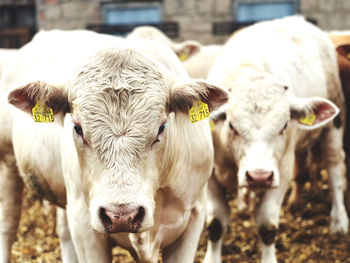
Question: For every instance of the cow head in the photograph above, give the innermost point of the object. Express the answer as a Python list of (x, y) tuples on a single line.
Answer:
[(118, 109), (261, 122)]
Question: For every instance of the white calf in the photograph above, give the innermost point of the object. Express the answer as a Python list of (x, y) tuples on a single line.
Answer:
[(184, 50), (135, 168), (286, 95), (27, 64), (198, 65)]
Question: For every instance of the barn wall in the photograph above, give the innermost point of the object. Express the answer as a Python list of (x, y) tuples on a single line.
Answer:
[(195, 17)]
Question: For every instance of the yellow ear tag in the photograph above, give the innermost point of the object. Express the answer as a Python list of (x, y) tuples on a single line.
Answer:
[(42, 113), (308, 120), (348, 56), (199, 111), (183, 56), (212, 125)]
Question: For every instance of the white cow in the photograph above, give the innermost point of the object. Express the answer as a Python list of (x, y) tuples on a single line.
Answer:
[(198, 65), (183, 50), (285, 95), (134, 167), (5, 56), (7, 168), (196, 58), (29, 64)]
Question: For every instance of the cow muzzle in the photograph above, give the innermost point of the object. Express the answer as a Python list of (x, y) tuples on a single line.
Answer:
[(122, 218), (259, 178)]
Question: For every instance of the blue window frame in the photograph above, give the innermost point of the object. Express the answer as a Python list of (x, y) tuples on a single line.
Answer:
[(257, 11), (121, 15)]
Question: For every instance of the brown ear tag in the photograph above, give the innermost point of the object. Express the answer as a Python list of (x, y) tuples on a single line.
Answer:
[(308, 119), (199, 111), (42, 113)]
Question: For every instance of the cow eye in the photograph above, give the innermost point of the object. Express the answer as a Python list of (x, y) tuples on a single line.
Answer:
[(284, 128), (160, 131), (235, 132), (78, 129)]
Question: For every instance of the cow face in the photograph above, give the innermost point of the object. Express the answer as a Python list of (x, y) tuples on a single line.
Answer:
[(262, 120), (120, 105)]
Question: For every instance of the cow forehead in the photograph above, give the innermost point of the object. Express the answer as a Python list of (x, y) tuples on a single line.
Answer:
[(122, 111), (258, 105), (121, 98), (120, 80), (119, 68)]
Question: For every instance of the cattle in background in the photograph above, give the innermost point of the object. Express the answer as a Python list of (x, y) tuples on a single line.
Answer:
[(183, 50), (135, 168), (196, 58), (311, 164), (341, 40), (198, 65), (285, 96), (8, 167)]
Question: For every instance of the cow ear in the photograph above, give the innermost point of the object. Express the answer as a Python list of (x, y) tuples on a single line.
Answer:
[(183, 96), (344, 58), (186, 49), (312, 113), (26, 97)]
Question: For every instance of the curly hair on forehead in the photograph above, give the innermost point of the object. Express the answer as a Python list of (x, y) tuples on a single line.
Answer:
[(120, 96)]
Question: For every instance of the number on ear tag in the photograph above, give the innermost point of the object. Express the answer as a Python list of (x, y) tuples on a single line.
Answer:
[(199, 111), (42, 113), (308, 119)]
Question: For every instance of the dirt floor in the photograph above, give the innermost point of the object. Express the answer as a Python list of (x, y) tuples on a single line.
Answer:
[(303, 235)]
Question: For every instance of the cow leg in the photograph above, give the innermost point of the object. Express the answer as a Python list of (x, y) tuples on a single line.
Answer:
[(334, 158), (218, 216), (268, 211), (301, 176), (243, 198), (66, 244), (48, 208), (89, 245), (184, 249), (10, 205), (347, 192)]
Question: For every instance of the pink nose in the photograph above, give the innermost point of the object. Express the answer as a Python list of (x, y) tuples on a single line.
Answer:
[(122, 218), (259, 178)]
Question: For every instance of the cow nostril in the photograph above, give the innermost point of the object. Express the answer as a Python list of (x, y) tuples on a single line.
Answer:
[(136, 223), (259, 178), (122, 218), (250, 179), (269, 179), (107, 222)]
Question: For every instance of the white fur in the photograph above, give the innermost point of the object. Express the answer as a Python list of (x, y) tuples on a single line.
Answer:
[(120, 96), (198, 66), (256, 65)]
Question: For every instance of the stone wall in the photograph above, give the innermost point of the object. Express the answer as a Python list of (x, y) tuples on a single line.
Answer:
[(195, 17), (330, 14), (67, 14)]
